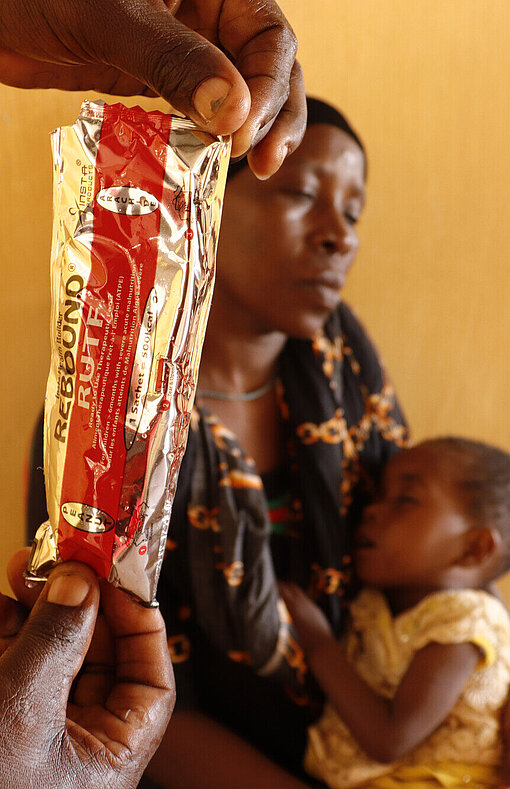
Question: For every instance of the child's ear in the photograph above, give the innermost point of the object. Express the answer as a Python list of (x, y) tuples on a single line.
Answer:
[(480, 544)]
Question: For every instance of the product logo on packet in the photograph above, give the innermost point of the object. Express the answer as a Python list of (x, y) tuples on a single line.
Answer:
[(86, 518), (129, 200), (67, 335)]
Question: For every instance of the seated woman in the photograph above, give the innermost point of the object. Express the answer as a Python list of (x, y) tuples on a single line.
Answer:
[(294, 419)]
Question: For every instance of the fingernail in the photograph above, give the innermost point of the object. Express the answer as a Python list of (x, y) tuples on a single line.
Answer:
[(67, 590), (210, 95)]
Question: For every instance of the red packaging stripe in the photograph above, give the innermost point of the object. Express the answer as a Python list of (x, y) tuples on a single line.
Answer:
[(124, 258)]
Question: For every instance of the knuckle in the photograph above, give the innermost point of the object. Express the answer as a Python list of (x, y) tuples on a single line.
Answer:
[(54, 625), (268, 19), (281, 28), (290, 41), (285, 44), (178, 70)]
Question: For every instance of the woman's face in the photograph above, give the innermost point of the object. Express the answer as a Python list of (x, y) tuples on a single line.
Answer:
[(287, 244)]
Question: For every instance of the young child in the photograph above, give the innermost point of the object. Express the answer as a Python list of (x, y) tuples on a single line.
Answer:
[(416, 688)]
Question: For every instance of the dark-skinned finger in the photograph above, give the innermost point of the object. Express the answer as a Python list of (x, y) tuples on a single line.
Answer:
[(143, 667), (140, 704), (19, 71), (97, 675), (140, 39), (140, 640), (93, 685), (50, 648), (264, 49), (180, 65), (285, 134), (102, 646), (129, 732)]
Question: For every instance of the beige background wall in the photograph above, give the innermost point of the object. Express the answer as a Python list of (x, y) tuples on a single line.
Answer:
[(427, 84)]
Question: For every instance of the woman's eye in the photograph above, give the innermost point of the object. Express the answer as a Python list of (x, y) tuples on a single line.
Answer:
[(352, 212), (300, 194), (351, 218)]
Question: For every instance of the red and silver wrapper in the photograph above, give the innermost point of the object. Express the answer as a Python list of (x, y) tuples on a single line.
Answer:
[(137, 208)]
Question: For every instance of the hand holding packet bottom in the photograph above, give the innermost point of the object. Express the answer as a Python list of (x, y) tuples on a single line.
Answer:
[(137, 208)]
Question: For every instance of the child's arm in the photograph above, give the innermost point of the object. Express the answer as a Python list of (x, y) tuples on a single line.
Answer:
[(386, 729)]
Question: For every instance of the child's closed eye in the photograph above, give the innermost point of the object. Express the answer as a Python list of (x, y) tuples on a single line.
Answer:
[(406, 499)]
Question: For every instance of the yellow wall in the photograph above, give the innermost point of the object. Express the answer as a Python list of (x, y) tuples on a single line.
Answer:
[(427, 84)]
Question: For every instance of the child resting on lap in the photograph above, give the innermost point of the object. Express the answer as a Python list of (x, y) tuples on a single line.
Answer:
[(416, 688)]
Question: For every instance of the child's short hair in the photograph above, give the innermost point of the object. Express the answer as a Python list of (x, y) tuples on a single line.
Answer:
[(484, 479)]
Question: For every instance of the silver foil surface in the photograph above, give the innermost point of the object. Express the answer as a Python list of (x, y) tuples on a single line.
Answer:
[(137, 208)]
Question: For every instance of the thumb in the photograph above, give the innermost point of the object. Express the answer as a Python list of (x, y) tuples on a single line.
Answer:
[(46, 656), (182, 66)]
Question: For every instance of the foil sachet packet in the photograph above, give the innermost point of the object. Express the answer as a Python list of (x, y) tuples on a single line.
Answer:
[(137, 208)]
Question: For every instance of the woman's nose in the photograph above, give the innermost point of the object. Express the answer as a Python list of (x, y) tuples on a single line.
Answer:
[(334, 233)]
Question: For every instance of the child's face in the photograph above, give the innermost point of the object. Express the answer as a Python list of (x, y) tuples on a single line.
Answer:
[(415, 532)]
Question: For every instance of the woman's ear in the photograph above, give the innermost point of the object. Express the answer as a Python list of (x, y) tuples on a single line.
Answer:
[(481, 544)]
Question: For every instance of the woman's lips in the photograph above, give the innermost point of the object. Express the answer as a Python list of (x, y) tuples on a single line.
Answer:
[(325, 288)]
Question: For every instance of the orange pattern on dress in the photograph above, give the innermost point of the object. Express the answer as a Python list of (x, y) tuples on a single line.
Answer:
[(331, 350), (328, 580), (377, 414), (203, 518), (378, 407), (294, 656), (236, 478), (240, 657), (333, 431), (234, 572), (220, 433), (179, 647), (170, 545)]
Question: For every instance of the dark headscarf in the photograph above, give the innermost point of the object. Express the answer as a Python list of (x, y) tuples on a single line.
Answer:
[(318, 112)]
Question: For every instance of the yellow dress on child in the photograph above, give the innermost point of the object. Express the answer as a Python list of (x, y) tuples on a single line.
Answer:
[(465, 750)]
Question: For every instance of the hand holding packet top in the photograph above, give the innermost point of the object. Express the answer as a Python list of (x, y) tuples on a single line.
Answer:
[(137, 207)]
